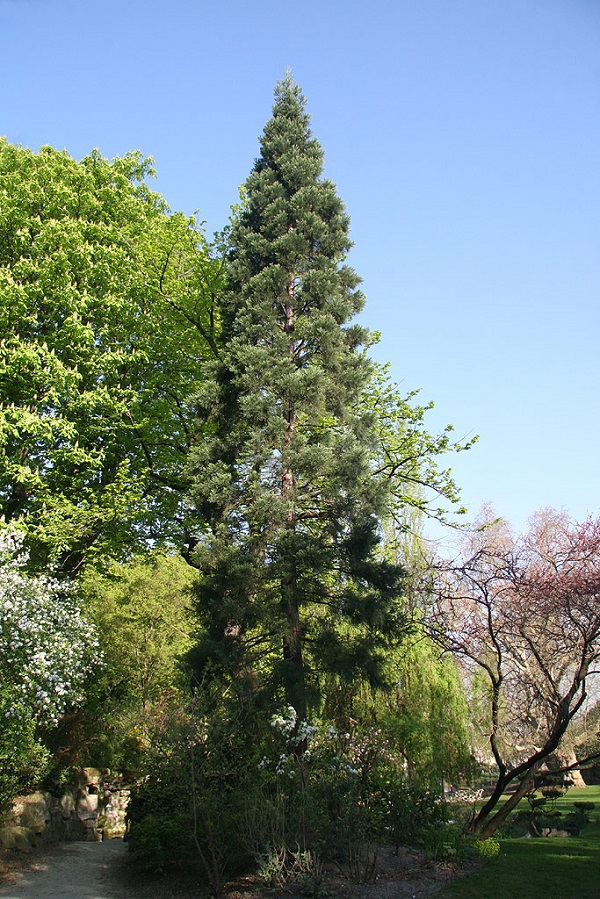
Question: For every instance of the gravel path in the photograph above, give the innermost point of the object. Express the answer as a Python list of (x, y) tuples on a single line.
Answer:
[(72, 871), (104, 871)]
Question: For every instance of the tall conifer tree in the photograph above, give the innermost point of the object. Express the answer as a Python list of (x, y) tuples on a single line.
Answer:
[(291, 583)]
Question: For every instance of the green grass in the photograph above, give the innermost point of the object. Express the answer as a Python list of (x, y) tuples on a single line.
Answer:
[(545, 868)]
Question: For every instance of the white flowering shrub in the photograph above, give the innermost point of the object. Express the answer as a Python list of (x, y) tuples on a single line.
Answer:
[(47, 649)]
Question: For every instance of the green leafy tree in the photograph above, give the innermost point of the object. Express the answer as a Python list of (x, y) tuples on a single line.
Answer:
[(426, 715), (291, 577), (409, 458), (142, 612), (106, 317)]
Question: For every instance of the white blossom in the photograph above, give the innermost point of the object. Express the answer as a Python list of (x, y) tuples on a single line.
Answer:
[(47, 646)]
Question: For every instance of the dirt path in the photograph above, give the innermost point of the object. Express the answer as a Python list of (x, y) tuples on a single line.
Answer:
[(104, 871), (71, 871)]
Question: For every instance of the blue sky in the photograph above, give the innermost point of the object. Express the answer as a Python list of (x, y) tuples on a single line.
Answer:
[(464, 137)]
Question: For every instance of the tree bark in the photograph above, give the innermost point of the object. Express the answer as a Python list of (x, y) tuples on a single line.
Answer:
[(292, 641)]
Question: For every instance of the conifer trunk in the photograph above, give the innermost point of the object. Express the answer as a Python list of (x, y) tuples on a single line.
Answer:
[(292, 639)]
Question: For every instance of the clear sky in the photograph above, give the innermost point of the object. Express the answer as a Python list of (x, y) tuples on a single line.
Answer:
[(464, 137)]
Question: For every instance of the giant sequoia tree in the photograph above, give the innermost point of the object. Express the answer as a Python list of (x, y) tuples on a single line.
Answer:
[(292, 584)]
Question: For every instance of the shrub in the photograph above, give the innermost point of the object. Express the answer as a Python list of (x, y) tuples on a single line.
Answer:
[(48, 651), (444, 842), (279, 795), (192, 799), (280, 867), (357, 793), (160, 816), (488, 848)]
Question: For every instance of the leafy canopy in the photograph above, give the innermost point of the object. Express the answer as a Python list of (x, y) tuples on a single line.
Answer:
[(106, 319)]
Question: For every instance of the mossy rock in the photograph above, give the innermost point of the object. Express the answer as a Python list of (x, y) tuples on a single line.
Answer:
[(17, 838)]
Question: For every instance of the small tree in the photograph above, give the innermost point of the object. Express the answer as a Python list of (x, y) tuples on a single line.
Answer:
[(525, 616), (142, 612)]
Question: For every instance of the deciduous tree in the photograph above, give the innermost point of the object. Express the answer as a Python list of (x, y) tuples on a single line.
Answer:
[(525, 616), (106, 317), (141, 610)]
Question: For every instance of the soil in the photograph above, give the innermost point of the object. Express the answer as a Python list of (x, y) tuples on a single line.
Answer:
[(106, 871)]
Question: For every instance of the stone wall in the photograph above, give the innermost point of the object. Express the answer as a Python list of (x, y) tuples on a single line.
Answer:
[(93, 809)]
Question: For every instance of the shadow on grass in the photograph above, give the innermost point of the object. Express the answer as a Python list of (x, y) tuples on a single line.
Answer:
[(537, 869)]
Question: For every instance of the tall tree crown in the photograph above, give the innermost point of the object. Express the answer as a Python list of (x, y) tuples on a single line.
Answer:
[(283, 475)]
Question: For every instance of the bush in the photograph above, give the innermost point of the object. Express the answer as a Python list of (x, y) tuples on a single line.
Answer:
[(193, 799), (488, 848), (24, 760), (444, 842), (347, 792), (239, 792), (279, 867), (48, 651), (159, 815)]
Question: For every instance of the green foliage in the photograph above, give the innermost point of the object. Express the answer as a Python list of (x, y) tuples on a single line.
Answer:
[(106, 318), (408, 456), (292, 581), (447, 842), (160, 816), (280, 867), (249, 795), (488, 848), (142, 610), (24, 760), (426, 714), (444, 843), (142, 613), (414, 811), (193, 798), (347, 791)]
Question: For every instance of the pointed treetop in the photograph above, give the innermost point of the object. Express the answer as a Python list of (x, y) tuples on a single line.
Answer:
[(287, 88), (287, 136)]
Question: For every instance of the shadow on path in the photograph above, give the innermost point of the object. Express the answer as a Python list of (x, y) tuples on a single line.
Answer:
[(74, 871)]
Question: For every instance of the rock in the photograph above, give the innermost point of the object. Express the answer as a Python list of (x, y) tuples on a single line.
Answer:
[(20, 839), (112, 822), (555, 832), (86, 806), (66, 805), (33, 811), (94, 809)]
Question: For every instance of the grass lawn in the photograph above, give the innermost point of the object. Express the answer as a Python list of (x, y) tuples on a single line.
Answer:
[(543, 868)]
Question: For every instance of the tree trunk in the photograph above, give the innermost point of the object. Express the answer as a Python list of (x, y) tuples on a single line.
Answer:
[(487, 826), (292, 641)]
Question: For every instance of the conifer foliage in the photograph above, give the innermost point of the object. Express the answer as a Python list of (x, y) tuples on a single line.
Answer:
[(292, 584)]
